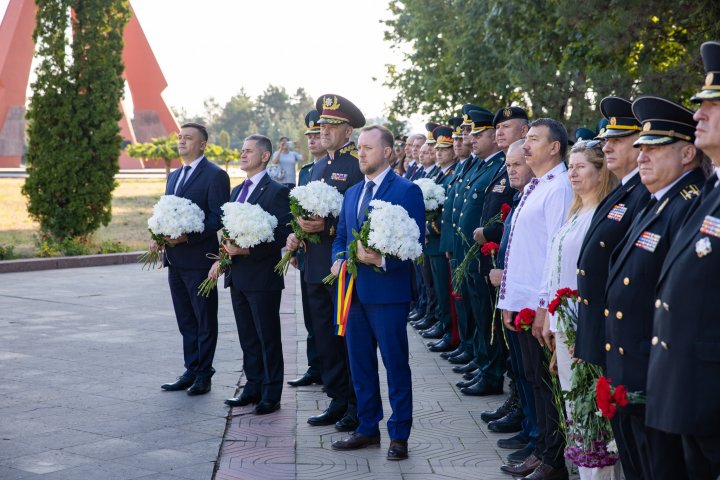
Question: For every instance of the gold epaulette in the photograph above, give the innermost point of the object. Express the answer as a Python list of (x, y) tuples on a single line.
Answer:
[(351, 149), (689, 192)]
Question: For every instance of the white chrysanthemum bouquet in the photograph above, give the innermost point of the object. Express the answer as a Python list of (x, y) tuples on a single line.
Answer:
[(245, 225), (172, 217), (434, 197), (314, 199), (390, 231)]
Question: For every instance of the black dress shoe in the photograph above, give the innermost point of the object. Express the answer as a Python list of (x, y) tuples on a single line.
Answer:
[(328, 417), (265, 407), (348, 423), (356, 441), (436, 331), (415, 316), (305, 380), (242, 400), (441, 346), (510, 423), (471, 375), (424, 323), (516, 442), (525, 468), (182, 382), (548, 472), (482, 389), (201, 386), (460, 359), (520, 455), (468, 367), (398, 450), (469, 383), (453, 353), (490, 415)]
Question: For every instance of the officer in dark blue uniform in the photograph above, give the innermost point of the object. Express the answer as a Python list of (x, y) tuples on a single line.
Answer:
[(670, 168), (683, 393), (339, 168)]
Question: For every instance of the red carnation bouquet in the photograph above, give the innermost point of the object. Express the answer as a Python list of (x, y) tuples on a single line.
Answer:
[(609, 398), (564, 304), (524, 319), (491, 249)]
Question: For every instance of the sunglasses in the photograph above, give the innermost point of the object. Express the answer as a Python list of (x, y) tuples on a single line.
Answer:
[(587, 143), (399, 144)]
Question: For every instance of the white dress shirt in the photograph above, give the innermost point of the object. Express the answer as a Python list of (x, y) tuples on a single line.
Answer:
[(193, 165), (377, 181), (627, 177), (563, 255), (540, 213), (255, 180)]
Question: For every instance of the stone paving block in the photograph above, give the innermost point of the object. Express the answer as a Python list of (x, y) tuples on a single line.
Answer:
[(99, 470), (162, 460), (46, 462), (108, 449)]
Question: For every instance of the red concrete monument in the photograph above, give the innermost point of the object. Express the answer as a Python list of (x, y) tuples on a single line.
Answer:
[(152, 117)]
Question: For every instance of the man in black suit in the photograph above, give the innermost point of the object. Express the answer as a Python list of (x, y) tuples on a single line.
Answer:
[(683, 394), (670, 170), (255, 289), (208, 186), (340, 169)]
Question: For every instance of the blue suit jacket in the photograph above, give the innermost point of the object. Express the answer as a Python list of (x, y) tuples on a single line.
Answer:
[(394, 285), (209, 188)]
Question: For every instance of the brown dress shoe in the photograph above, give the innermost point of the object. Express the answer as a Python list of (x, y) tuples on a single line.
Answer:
[(548, 472), (525, 468), (356, 441), (398, 450)]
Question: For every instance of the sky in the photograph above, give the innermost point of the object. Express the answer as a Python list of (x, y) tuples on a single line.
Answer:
[(213, 48)]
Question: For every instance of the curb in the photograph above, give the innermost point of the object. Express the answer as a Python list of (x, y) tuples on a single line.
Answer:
[(52, 263)]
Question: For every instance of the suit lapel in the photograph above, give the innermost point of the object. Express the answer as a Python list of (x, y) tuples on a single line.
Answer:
[(355, 202), (259, 189), (198, 171), (172, 182)]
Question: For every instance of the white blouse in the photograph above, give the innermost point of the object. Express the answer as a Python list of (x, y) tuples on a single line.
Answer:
[(563, 255)]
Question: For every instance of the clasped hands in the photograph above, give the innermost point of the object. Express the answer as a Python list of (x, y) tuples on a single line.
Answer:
[(540, 328), (367, 256), (313, 224), (153, 245)]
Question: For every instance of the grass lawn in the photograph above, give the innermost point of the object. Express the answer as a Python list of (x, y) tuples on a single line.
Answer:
[(131, 207)]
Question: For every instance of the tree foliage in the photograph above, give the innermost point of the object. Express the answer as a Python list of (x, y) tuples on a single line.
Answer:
[(73, 116), (557, 58), (165, 148)]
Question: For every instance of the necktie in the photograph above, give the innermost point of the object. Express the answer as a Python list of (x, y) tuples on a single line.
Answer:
[(186, 173), (367, 196), (244, 191)]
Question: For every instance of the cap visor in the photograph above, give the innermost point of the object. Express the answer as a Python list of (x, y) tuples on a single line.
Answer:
[(654, 140), (613, 133), (706, 95)]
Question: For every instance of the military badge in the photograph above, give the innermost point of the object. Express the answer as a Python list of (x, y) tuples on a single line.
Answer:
[(703, 247), (507, 113), (617, 212), (613, 121), (647, 127), (648, 241), (499, 188), (332, 231), (709, 79), (339, 177), (711, 226), (331, 103), (475, 196)]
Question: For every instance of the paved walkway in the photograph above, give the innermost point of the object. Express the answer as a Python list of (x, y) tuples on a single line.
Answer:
[(84, 351)]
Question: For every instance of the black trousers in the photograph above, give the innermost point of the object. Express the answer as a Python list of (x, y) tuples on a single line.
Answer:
[(702, 456), (430, 293), (331, 348), (196, 318), (314, 362), (257, 316), (551, 444)]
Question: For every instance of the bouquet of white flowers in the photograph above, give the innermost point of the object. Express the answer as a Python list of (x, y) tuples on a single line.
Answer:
[(390, 231), (314, 199), (434, 197), (172, 217), (245, 225)]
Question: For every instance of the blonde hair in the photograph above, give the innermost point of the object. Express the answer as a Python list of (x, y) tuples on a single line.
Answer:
[(607, 181)]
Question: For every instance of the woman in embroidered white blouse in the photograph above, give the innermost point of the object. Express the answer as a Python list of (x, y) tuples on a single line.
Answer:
[(591, 181)]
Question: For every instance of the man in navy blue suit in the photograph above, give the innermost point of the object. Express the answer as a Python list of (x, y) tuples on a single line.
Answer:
[(381, 300), (255, 287), (208, 186)]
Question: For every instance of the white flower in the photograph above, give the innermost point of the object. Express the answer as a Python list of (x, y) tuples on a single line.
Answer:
[(393, 232), (174, 216), (612, 446), (318, 198), (247, 224), (433, 194)]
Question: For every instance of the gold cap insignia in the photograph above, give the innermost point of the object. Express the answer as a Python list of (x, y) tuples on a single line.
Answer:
[(602, 131), (709, 79), (331, 103), (647, 127), (507, 113), (613, 121), (466, 117), (312, 124)]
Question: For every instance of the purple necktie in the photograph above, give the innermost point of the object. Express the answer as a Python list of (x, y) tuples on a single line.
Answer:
[(244, 191)]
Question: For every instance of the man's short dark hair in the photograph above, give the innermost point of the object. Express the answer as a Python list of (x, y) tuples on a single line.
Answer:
[(557, 132), (200, 128), (387, 139), (284, 138), (263, 143)]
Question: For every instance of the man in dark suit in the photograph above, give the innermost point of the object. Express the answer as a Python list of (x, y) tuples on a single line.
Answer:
[(381, 300), (683, 394), (314, 371), (339, 168), (208, 186), (609, 224), (255, 289)]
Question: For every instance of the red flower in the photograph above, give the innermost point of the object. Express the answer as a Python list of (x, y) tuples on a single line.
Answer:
[(504, 211), (604, 398), (553, 305), (620, 396), (490, 248), (524, 319)]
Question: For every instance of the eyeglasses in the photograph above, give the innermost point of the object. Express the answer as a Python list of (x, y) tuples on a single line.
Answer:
[(399, 145), (586, 144)]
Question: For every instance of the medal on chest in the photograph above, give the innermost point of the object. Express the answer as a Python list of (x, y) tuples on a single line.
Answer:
[(617, 212)]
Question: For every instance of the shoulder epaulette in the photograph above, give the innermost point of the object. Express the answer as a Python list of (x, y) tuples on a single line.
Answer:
[(689, 192)]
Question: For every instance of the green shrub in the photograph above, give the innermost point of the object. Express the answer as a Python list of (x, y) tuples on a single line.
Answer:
[(7, 252), (109, 246)]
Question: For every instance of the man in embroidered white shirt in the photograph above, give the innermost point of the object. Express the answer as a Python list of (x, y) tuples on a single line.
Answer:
[(539, 215)]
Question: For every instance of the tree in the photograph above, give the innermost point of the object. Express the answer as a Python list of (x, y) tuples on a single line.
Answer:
[(556, 58), (162, 148), (74, 140)]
